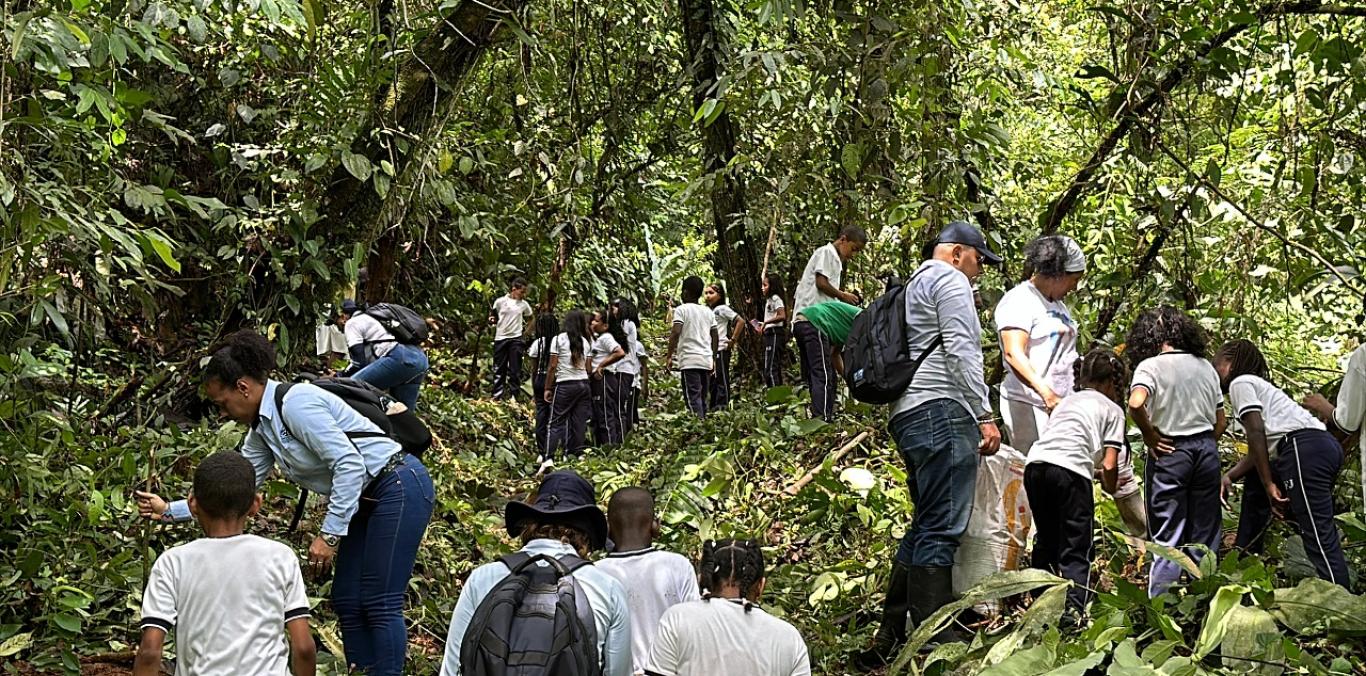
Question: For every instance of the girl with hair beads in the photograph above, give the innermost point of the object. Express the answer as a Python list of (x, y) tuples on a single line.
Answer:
[(728, 328), (1176, 401), (774, 329), (607, 350), (546, 328), (1298, 481), (1084, 433), (566, 389), (727, 632)]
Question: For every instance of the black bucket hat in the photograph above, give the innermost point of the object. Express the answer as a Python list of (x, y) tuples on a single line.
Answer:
[(962, 232), (564, 498)]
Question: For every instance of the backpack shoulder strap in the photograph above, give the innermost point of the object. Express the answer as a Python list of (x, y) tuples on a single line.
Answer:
[(281, 389), (515, 560), (573, 563)]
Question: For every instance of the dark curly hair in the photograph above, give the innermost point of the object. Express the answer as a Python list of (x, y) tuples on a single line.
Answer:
[(1160, 326), (574, 537), (1243, 359), (739, 562), (245, 354), (1046, 256), (1101, 366)]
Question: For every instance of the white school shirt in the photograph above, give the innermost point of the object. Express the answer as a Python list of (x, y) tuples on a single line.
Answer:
[(511, 314), (629, 364), (655, 581), (362, 329), (771, 308), (603, 347), (725, 323), (565, 370), (330, 339), (1351, 403), (1052, 345), (227, 601), (711, 638), (1078, 432), (694, 345), (1280, 414), (1184, 396), (826, 261)]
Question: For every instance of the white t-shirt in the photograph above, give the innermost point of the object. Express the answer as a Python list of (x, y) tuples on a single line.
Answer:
[(771, 308), (629, 364), (511, 314), (603, 347), (694, 345), (655, 581), (826, 261), (330, 339), (565, 369), (1052, 345), (1183, 393), (711, 638), (725, 323), (1078, 432), (1351, 403), (1280, 414), (227, 601), (362, 328)]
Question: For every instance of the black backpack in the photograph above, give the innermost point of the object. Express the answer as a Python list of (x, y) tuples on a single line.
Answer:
[(407, 326), (877, 360), (536, 622)]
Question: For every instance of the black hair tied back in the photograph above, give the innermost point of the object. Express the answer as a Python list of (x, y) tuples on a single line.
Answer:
[(245, 354), (738, 562)]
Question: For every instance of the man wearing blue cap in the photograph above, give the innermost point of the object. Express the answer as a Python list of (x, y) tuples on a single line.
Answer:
[(941, 424)]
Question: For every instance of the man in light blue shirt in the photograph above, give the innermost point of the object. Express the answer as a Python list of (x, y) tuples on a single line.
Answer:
[(564, 505)]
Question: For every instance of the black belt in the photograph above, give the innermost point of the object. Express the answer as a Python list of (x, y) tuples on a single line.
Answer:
[(393, 463)]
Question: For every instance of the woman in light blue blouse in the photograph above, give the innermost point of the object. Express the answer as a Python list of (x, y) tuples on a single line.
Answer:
[(380, 497)]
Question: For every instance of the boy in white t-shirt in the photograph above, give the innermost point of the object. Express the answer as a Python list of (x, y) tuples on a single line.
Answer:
[(1084, 433), (230, 598), (727, 632), (819, 283), (509, 316), (694, 341), (655, 580)]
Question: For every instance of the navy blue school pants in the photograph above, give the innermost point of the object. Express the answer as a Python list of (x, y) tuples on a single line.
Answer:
[(542, 409), (616, 404), (1306, 465), (570, 406), (696, 384), (720, 384), (1064, 511), (597, 420), (818, 367), (1183, 504), (775, 340), (507, 367)]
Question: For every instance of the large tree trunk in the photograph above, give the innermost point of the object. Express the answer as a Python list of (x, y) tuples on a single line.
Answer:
[(735, 261)]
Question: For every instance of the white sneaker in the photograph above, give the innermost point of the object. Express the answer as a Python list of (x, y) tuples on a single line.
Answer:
[(546, 465)]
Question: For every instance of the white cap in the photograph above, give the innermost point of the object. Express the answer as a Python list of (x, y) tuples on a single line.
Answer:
[(1076, 260)]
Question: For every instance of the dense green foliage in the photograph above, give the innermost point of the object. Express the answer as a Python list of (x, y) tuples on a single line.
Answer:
[(171, 170)]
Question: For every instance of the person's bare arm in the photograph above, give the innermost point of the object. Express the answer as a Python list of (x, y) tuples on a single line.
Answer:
[(148, 660), (551, 364), (779, 317), (1109, 470), (674, 334), (1015, 349), (1255, 428), (715, 346), (1220, 423), (735, 334), (824, 286), (303, 651), (613, 358), (1157, 444)]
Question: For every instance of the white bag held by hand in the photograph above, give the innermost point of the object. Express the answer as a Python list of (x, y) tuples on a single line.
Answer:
[(998, 530)]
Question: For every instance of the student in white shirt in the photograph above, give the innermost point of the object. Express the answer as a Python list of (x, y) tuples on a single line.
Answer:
[(567, 390), (1085, 432), (728, 328), (229, 598), (547, 327), (694, 340), (1348, 414), (606, 351), (655, 580), (509, 316), (1176, 401), (727, 632), (635, 365), (774, 329), (820, 282), (1291, 465)]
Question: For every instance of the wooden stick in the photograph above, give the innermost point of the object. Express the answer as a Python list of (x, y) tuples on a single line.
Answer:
[(772, 234), (843, 451)]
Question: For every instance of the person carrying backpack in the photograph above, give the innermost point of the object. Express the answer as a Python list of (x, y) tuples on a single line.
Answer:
[(493, 629), (384, 344), (381, 497)]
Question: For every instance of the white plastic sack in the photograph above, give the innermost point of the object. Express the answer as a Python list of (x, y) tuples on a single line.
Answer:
[(998, 530)]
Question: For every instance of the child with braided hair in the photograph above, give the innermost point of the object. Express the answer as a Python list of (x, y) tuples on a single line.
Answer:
[(727, 632), (1084, 434), (1296, 482)]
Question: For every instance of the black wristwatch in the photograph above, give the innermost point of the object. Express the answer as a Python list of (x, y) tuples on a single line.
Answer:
[(330, 539)]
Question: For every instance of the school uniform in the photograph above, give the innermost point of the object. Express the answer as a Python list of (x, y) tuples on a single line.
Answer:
[(655, 580), (1305, 463), (539, 351), (1058, 477), (570, 402), (637, 355), (694, 354), (726, 636), (604, 420), (720, 384), (1350, 412), (620, 380), (508, 345), (775, 340), (1184, 509), (817, 356)]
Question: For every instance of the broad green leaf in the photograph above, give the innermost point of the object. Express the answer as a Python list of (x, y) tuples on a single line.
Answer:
[(17, 38), (1252, 634), (1079, 667), (1031, 662), (163, 250), (357, 165), (1315, 605), (315, 14), (1216, 621), (14, 644), (56, 317), (67, 621), (778, 395), (1043, 612)]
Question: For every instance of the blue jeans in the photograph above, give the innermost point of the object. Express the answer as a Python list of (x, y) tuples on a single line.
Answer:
[(938, 441), (375, 561), (401, 372)]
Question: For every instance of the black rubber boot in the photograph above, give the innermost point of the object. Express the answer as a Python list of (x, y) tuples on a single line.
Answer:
[(891, 633), (933, 590)]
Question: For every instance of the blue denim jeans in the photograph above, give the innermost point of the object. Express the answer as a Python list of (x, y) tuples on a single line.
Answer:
[(938, 441), (401, 372), (375, 561)]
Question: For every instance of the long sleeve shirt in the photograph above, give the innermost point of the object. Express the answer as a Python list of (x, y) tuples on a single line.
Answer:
[(939, 303), (1351, 404), (611, 613), (321, 458)]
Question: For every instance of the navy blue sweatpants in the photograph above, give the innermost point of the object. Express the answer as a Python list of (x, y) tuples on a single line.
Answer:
[(569, 412), (818, 368), (775, 342), (1183, 504), (696, 385), (720, 383)]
